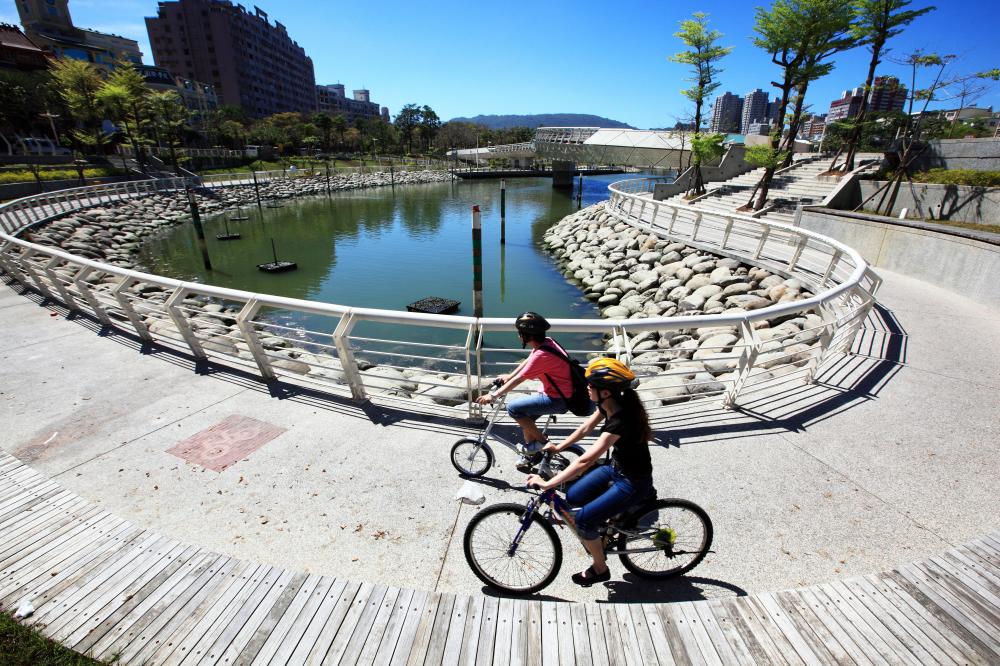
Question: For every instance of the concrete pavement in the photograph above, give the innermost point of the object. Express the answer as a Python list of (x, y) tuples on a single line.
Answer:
[(891, 457)]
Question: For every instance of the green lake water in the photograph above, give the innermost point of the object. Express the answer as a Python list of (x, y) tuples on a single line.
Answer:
[(381, 248)]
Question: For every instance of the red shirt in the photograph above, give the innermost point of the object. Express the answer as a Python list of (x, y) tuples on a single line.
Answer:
[(541, 363)]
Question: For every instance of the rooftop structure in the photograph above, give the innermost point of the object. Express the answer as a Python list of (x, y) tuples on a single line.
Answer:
[(49, 25), (252, 63), (17, 51), (332, 99)]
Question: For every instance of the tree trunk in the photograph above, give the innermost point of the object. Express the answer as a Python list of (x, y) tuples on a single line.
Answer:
[(793, 128), (765, 181), (765, 184), (852, 143)]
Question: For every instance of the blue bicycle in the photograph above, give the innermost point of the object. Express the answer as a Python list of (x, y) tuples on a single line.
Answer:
[(515, 547)]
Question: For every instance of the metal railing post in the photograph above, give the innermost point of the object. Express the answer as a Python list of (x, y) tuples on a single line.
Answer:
[(29, 270), (797, 254), (725, 234), (88, 295), (126, 306), (244, 320), (825, 339), (744, 366), (67, 298), (834, 260), (350, 367), (696, 225), (760, 245), (474, 409), (181, 322)]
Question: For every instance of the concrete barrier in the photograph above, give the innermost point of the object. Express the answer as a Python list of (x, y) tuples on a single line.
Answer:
[(965, 262), (926, 201)]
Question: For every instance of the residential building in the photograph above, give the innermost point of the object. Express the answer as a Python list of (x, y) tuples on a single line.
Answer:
[(48, 24), (758, 128), (888, 94), (385, 114), (250, 62), (755, 109), (965, 113), (333, 100), (727, 112), (19, 52), (197, 97), (813, 127)]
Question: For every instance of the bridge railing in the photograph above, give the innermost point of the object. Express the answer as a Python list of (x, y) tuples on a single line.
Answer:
[(564, 134), (736, 354)]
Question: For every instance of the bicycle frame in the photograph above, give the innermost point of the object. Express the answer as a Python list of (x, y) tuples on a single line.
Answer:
[(494, 416)]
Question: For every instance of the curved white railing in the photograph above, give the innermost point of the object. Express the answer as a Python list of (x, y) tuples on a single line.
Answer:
[(244, 332)]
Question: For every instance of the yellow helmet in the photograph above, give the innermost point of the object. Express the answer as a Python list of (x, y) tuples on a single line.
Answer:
[(609, 373)]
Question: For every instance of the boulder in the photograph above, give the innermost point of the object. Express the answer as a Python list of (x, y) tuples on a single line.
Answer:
[(382, 378)]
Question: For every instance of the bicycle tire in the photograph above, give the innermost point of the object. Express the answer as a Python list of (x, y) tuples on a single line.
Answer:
[(533, 582), (465, 457), (693, 541)]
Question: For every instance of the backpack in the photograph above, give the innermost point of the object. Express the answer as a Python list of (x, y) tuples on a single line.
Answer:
[(578, 402)]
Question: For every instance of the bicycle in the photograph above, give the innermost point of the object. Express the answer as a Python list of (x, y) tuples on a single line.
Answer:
[(473, 456), (656, 538)]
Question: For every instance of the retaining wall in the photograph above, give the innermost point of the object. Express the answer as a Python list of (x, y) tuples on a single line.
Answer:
[(925, 201), (977, 154), (961, 261)]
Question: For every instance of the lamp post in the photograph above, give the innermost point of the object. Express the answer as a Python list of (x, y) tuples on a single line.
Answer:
[(51, 117)]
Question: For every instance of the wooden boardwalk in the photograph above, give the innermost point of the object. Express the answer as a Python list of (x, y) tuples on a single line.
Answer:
[(106, 587)]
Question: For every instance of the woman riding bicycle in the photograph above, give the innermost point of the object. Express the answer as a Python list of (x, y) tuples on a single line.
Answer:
[(609, 489)]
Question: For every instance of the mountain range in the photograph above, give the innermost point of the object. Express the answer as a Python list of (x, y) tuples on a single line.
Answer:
[(544, 119)]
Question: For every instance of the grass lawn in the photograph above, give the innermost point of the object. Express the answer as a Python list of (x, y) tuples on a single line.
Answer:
[(20, 646)]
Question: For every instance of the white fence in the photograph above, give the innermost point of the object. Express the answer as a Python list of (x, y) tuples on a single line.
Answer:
[(245, 333)]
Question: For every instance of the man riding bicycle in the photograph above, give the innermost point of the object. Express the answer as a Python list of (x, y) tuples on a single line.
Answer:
[(541, 364)]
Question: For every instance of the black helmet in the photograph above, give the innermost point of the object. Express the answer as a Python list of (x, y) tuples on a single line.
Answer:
[(531, 323)]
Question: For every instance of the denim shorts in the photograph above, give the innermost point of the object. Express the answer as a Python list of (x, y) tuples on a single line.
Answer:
[(604, 492), (534, 406)]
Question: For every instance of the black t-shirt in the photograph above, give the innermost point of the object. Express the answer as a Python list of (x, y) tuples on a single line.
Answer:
[(630, 453)]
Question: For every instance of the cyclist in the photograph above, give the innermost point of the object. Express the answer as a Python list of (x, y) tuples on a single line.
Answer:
[(606, 490), (543, 365)]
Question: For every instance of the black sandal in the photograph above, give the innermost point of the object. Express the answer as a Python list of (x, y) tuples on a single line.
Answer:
[(589, 577)]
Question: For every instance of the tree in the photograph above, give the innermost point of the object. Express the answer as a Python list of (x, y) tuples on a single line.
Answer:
[(25, 95), (78, 84), (324, 123), (340, 126), (408, 118), (125, 98), (169, 118), (429, 125), (703, 57), (875, 23)]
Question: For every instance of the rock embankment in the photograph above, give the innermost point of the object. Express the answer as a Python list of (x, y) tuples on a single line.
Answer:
[(632, 274)]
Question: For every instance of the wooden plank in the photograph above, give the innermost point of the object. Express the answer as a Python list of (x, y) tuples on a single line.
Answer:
[(379, 625), (736, 631), (387, 644), (852, 642), (438, 639), (421, 635), (951, 603), (926, 649), (619, 616), (326, 593), (688, 622), (398, 650), (977, 587), (140, 617), (799, 612), (488, 631), (88, 633), (356, 632), (661, 646), (519, 633), (534, 633), (504, 632), (851, 622), (248, 652), (581, 635), (345, 599), (984, 573), (599, 653), (234, 623), (565, 649), (679, 648), (203, 607), (550, 633), (22, 505), (726, 639), (452, 652), (960, 637), (985, 552), (40, 529), (754, 635), (473, 625), (313, 587), (807, 644)]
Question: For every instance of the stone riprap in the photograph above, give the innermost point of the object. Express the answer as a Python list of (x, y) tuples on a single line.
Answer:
[(632, 274)]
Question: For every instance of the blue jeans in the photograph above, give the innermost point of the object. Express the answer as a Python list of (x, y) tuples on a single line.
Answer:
[(604, 492), (533, 406)]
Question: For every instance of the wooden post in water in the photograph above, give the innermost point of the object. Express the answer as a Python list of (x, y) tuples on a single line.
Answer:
[(328, 178), (199, 230), (503, 211), (256, 188), (477, 263), (392, 176), (579, 193)]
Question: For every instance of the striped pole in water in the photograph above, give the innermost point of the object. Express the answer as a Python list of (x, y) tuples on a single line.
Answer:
[(477, 263)]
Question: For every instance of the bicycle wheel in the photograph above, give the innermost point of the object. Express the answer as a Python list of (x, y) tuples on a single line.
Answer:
[(488, 539), (678, 534), (470, 457)]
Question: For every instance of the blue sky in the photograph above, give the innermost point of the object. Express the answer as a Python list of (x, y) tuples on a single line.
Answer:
[(610, 59)]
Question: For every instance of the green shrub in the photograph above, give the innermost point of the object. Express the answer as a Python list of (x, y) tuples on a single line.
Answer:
[(26, 176), (959, 177)]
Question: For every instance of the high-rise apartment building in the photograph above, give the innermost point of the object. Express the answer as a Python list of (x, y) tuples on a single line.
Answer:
[(888, 94), (250, 62), (727, 112), (332, 99), (48, 24), (755, 110)]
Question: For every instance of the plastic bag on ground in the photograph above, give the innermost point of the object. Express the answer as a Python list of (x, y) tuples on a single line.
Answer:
[(24, 610), (470, 493)]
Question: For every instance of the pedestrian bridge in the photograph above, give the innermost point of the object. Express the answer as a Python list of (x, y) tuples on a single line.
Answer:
[(589, 145)]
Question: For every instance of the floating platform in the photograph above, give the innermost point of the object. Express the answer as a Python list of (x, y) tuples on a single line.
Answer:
[(225, 237), (434, 305), (277, 266)]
